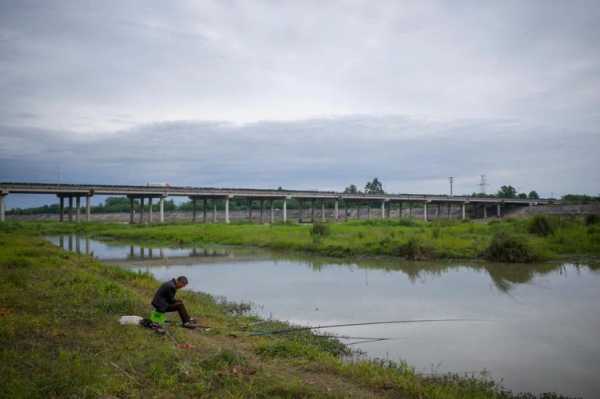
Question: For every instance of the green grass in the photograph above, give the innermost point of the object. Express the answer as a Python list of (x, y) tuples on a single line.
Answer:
[(408, 238), (60, 339)]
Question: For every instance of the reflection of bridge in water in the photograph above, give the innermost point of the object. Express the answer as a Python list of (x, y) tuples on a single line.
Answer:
[(333, 205)]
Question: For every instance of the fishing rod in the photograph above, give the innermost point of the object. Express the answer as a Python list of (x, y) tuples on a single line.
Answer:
[(295, 329)]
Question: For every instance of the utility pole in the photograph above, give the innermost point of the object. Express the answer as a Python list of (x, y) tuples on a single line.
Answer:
[(482, 184), (451, 179)]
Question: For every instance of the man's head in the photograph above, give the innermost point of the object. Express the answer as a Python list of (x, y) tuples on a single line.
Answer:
[(181, 282)]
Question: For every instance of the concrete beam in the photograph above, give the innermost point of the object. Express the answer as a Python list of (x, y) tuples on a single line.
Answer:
[(77, 208), (131, 210), (70, 209), (88, 207), (2, 208), (141, 210), (336, 210), (161, 206)]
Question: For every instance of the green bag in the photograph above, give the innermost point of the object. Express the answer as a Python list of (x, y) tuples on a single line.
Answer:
[(158, 317)]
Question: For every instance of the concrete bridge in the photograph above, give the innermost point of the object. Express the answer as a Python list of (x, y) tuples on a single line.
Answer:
[(73, 193)]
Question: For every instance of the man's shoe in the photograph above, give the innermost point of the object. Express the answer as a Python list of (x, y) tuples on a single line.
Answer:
[(189, 324)]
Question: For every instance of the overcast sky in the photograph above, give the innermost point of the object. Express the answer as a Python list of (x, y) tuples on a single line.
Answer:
[(302, 94)]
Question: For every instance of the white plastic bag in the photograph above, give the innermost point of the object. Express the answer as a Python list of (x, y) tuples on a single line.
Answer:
[(130, 320)]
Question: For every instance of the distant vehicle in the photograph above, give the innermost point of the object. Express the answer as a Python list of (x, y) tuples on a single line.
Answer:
[(150, 184)]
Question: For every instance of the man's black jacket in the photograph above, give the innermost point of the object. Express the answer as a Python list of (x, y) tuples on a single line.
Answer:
[(164, 296)]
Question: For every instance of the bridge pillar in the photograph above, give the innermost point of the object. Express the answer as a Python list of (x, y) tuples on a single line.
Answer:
[(322, 210), (194, 209), (214, 215), (485, 211), (150, 210), (130, 210), (499, 210), (336, 210), (70, 209), (77, 208), (272, 212), (88, 207), (262, 210), (204, 203), (227, 210), (61, 215), (250, 209), (383, 209), (301, 210), (161, 206), (2, 208), (425, 211), (464, 211), (141, 210), (312, 210)]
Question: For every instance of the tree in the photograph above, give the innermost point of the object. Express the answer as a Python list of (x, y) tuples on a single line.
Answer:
[(351, 189), (507, 192), (522, 196), (533, 195), (374, 187)]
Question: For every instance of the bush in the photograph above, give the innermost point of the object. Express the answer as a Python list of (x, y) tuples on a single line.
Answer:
[(320, 229), (508, 248), (540, 225), (416, 249), (592, 219)]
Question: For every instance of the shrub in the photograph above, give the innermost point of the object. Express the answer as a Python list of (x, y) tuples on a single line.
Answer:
[(592, 219), (540, 225), (320, 229), (416, 249), (508, 248)]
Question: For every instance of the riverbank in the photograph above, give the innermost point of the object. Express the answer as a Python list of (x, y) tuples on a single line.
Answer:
[(59, 324), (510, 240)]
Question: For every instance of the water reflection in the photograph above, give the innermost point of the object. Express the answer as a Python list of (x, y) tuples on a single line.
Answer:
[(132, 252)]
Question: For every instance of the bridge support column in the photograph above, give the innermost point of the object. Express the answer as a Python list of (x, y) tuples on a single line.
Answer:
[(194, 209), (204, 203), (77, 208), (336, 210), (301, 211), (368, 210), (214, 215), (227, 210), (161, 206), (61, 216), (141, 210), (250, 210), (464, 211), (499, 210), (70, 209), (130, 210), (284, 210), (425, 211), (312, 211), (88, 207), (383, 209), (485, 211), (322, 210), (272, 219), (2, 208), (150, 210), (262, 210)]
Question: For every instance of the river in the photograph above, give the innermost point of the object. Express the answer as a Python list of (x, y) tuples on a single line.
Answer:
[(533, 327)]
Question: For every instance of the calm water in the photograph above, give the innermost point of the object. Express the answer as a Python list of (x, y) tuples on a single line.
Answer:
[(543, 321)]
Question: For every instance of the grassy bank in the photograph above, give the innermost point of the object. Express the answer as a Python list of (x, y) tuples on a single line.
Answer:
[(511, 240), (58, 325)]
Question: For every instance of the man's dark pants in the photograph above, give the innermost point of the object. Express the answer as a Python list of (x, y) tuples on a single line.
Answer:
[(179, 307)]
